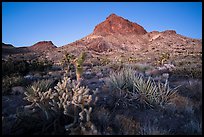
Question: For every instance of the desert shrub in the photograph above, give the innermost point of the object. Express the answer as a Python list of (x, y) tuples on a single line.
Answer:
[(11, 67), (152, 93), (95, 61), (115, 66), (133, 60), (141, 67), (149, 128), (67, 61), (104, 61), (163, 58), (10, 81), (37, 65), (23, 67), (191, 71), (193, 127)]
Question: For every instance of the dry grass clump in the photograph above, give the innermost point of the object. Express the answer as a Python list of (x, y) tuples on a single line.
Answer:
[(193, 127), (189, 70), (127, 125), (149, 128)]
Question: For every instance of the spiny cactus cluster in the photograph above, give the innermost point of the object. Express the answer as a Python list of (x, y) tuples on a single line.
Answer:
[(65, 95)]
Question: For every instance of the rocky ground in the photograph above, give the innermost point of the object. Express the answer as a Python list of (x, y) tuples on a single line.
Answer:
[(111, 106)]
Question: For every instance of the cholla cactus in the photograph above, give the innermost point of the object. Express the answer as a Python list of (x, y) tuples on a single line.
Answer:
[(63, 86), (81, 96), (59, 99), (78, 62), (87, 128)]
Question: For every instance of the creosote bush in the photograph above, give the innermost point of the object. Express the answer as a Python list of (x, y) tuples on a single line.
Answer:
[(10, 81), (23, 67)]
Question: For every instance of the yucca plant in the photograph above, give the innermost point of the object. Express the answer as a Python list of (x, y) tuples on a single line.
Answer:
[(78, 62), (38, 86), (38, 93), (138, 88), (165, 93), (146, 91), (121, 80), (152, 93)]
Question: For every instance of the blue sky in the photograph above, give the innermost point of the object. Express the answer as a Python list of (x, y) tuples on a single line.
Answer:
[(26, 23)]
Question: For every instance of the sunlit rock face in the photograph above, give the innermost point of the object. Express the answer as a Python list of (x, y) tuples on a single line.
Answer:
[(117, 25)]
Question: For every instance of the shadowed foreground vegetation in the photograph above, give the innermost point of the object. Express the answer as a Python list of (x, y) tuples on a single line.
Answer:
[(127, 103)]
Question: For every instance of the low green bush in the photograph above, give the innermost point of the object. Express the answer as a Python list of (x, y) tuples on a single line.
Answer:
[(10, 81), (23, 67)]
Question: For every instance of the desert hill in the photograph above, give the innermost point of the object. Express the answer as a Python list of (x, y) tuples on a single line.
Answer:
[(116, 37)]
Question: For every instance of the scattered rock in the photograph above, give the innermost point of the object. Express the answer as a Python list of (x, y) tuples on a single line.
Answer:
[(30, 77), (89, 75), (99, 75), (17, 90)]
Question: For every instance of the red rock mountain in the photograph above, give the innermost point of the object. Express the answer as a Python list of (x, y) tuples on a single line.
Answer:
[(115, 24), (42, 46), (117, 36)]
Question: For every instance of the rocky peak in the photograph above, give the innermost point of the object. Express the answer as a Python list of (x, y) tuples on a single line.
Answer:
[(42, 46), (169, 32), (111, 16), (117, 25), (40, 43)]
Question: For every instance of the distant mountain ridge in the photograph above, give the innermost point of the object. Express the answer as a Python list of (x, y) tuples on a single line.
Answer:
[(116, 36)]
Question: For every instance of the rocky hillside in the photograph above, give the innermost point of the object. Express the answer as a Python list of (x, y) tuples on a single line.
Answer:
[(117, 37), (8, 49)]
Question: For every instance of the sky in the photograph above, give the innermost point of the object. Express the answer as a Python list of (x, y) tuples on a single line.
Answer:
[(26, 23)]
